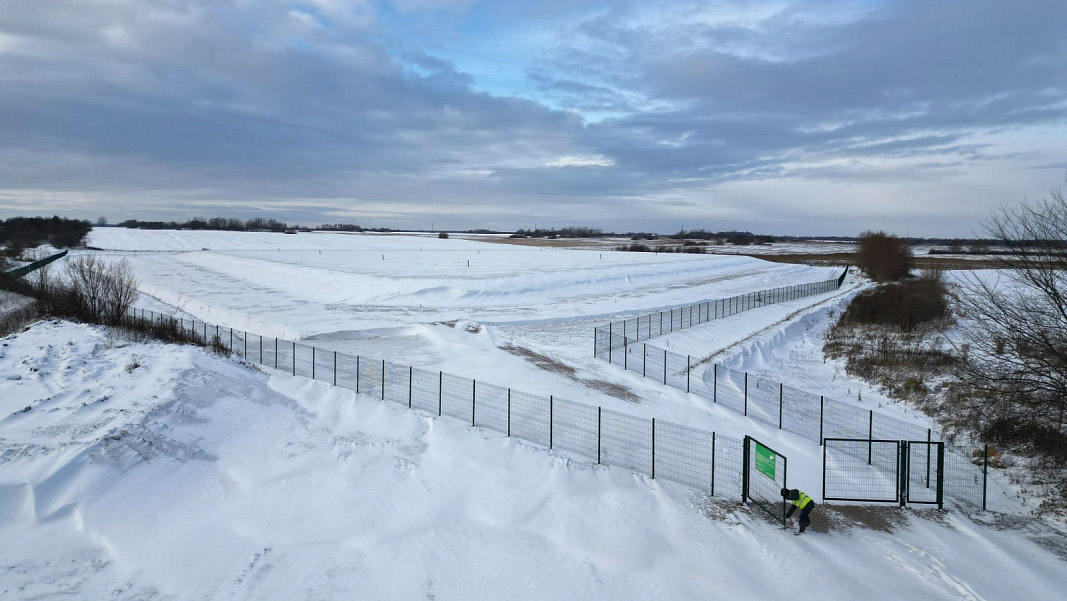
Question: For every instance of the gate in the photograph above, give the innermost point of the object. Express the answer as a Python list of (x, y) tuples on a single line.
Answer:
[(922, 480), (883, 471), (763, 478), (861, 470)]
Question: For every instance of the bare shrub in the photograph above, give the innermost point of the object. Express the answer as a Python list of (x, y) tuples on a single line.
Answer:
[(102, 292), (883, 257)]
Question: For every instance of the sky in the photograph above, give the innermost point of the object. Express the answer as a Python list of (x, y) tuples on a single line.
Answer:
[(803, 118)]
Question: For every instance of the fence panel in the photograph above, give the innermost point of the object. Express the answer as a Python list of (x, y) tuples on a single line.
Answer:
[(841, 420), (426, 390), (529, 417), (729, 467), (457, 397), (861, 470), (491, 406), (677, 371), (626, 441), (801, 413), (684, 454), (763, 400), (346, 370), (370, 377), (964, 476), (730, 389), (575, 427), (397, 383)]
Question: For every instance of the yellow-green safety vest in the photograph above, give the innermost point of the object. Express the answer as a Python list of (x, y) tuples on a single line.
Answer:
[(803, 501)]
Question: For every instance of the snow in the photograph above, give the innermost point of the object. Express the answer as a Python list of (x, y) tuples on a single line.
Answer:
[(194, 477), (150, 471)]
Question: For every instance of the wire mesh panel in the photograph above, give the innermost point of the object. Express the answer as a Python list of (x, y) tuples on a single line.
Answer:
[(323, 366), (655, 363), (964, 475), (457, 397), (730, 388), (684, 454), (702, 381), (765, 477), (491, 406), (861, 470), (370, 377), (841, 420), (397, 383), (425, 390), (626, 441), (729, 467), (763, 400), (801, 413), (303, 360), (677, 371), (574, 427), (530, 417), (346, 370), (891, 428), (602, 343)]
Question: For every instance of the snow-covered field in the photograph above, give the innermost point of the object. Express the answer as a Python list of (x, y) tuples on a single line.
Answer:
[(147, 471)]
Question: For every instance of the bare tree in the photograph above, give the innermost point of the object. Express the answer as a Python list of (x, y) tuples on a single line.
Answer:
[(1015, 332)]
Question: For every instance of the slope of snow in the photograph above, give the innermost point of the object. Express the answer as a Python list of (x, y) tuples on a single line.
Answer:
[(146, 471)]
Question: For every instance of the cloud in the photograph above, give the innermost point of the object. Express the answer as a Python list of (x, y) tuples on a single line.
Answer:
[(644, 112)]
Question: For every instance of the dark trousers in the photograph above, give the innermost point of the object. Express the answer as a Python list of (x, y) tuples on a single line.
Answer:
[(804, 520)]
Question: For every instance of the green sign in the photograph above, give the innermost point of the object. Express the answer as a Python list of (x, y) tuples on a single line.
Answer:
[(765, 460)]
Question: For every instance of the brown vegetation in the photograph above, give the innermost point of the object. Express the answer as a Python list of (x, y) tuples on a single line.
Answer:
[(884, 258)]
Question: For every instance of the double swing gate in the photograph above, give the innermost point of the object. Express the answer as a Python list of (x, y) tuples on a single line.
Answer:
[(884, 471)]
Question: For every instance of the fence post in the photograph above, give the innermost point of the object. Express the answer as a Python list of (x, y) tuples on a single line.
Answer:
[(474, 398), (664, 367), (714, 382), (357, 374), (625, 350), (294, 357), (275, 353), (411, 376), (688, 359), (595, 332), (246, 344), (644, 362), (653, 448), (261, 350), (713, 464), (823, 467), (383, 379), (781, 396), (440, 388), (746, 394), (985, 471), (941, 477), (744, 471), (820, 419), (335, 368), (598, 411), (509, 412), (870, 434), (550, 420), (313, 362), (672, 320)]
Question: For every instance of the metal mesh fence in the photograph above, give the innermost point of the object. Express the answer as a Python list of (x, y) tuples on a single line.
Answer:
[(491, 406), (965, 477), (643, 327), (457, 397), (575, 427), (861, 470)]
